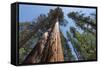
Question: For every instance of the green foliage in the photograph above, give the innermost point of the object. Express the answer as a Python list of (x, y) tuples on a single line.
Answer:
[(56, 15), (25, 24), (83, 21), (85, 45), (66, 50), (26, 49), (21, 54)]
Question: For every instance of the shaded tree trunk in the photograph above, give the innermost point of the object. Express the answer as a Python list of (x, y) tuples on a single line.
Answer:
[(30, 34), (35, 55)]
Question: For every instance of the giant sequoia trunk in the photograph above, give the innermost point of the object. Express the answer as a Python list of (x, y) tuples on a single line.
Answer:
[(48, 49), (55, 53)]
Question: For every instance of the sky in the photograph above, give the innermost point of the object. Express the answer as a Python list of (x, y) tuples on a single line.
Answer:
[(31, 12)]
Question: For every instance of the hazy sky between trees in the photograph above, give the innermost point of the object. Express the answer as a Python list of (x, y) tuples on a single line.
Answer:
[(31, 12)]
